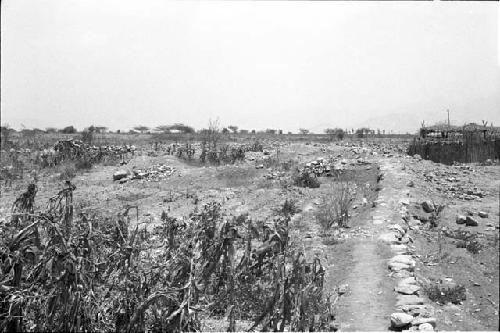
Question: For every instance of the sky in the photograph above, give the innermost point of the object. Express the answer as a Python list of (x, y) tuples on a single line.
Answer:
[(253, 64)]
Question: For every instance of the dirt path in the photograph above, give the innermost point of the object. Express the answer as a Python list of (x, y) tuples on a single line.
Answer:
[(371, 297)]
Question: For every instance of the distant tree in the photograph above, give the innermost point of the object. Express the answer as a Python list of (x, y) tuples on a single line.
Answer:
[(88, 135), (133, 132), (101, 129), (175, 127), (5, 133), (182, 128), (118, 131), (335, 133), (253, 131), (211, 136), (50, 130), (243, 131), (225, 130), (233, 128), (270, 131), (280, 132), (68, 130), (141, 128), (363, 132), (162, 128), (303, 131), (289, 133)]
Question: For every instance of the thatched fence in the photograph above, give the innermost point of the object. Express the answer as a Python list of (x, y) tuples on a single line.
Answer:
[(470, 148)]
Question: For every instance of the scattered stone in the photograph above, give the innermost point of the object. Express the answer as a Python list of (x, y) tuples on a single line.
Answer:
[(259, 166), (399, 319), (417, 310), (483, 214), (405, 239), (120, 174), (397, 228), (461, 219), (343, 288), (471, 222), (426, 327), (411, 183), (407, 289), (427, 206), (153, 173), (409, 300)]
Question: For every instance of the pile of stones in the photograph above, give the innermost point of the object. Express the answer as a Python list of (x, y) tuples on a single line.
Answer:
[(154, 173)]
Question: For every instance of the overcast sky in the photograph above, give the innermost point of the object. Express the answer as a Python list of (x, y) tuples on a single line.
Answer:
[(257, 65)]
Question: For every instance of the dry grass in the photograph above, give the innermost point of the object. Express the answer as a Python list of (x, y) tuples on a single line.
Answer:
[(236, 177)]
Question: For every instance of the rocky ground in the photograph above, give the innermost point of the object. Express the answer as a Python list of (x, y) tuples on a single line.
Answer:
[(416, 227)]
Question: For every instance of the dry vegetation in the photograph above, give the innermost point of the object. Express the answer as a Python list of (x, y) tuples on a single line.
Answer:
[(167, 254)]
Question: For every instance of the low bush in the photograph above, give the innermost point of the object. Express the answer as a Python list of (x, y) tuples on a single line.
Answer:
[(443, 294), (334, 211), (305, 179), (289, 208)]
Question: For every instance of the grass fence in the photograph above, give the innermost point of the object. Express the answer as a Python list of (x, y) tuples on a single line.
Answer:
[(468, 150)]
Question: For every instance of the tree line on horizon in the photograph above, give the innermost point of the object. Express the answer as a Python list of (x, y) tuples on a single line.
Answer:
[(180, 128)]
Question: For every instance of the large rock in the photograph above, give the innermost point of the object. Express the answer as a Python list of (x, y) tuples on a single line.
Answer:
[(461, 219), (399, 248), (407, 289), (120, 174), (471, 222), (403, 259), (408, 280), (402, 274), (409, 300), (427, 206), (424, 320), (399, 319), (425, 327), (397, 266)]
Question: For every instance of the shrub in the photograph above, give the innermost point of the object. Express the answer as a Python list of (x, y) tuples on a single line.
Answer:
[(443, 294), (325, 216), (474, 246), (304, 179), (336, 206), (466, 239), (289, 208)]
